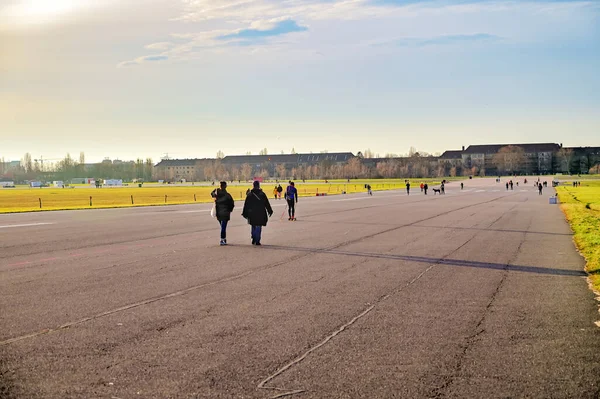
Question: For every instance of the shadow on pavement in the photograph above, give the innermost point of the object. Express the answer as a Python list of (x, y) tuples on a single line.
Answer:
[(441, 261)]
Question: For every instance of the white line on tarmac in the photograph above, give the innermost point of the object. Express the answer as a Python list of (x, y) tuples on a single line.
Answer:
[(23, 225), (480, 191)]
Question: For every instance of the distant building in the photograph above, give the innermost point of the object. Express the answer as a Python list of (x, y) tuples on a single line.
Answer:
[(290, 160), (178, 169), (452, 157), (539, 157)]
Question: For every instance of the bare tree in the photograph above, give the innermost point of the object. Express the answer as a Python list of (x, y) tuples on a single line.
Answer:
[(246, 172), (263, 152), (566, 154), (293, 151), (220, 154), (281, 171), (510, 159), (27, 162)]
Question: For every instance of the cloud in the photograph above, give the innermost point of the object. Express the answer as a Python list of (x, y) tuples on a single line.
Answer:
[(162, 46), (141, 60), (224, 25), (277, 29), (441, 40)]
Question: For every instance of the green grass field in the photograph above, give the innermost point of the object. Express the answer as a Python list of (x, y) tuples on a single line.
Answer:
[(24, 199), (581, 206)]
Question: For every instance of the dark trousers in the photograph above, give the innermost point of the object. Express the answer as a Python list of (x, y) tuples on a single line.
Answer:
[(256, 232), (291, 208), (223, 224)]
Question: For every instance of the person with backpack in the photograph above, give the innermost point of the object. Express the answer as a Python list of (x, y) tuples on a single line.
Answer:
[(291, 196), (257, 211), (224, 205)]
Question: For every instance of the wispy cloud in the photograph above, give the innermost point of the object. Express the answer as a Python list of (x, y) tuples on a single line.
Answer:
[(141, 60), (441, 40), (402, 23), (162, 46), (279, 28)]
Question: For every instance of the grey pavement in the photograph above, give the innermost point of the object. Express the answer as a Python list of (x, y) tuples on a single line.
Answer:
[(478, 293)]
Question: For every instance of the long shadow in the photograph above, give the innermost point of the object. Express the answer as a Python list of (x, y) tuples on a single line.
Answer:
[(436, 227), (441, 261), (498, 230)]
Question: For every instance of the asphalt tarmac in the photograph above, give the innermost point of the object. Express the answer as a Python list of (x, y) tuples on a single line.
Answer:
[(479, 293)]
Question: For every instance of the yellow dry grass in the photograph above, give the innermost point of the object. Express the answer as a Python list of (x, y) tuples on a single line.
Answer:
[(28, 199), (581, 206)]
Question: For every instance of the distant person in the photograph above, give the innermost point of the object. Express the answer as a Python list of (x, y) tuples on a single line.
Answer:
[(407, 188), (462, 185), (540, 187), (422, 187), (425, 188), (369, 191), (443, 187), (279, 191), (291, 196), (511, 184), (275, 192), (506, 186), (257, 211), (224, 205)]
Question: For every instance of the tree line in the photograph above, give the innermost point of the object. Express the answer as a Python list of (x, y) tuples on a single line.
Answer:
[(68, 169)]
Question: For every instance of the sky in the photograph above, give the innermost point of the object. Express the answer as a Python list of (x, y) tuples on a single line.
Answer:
[(143, 78)]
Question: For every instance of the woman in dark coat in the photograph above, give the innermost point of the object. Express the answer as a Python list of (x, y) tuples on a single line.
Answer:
[(257, 211), (224, 205)]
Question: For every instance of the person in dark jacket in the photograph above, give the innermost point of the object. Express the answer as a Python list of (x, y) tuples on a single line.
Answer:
[(224, 205), (257, 211), (291, 196)]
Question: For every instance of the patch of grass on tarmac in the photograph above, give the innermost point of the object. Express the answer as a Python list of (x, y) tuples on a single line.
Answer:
[(581, 206)]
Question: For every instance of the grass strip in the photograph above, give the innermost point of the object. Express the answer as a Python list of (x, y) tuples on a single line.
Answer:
[(581, 206)]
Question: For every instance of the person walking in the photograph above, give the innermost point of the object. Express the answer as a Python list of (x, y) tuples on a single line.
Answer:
[(224, 205), (422, 187), (257, 211), (540, 187), (369, 191), (443, 187), (506, 186), (425, 188), (407, 188), (279, 191), (275, 192), (291, 196), (462, 186)]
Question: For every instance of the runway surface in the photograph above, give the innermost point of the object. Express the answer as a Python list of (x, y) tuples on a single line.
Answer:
[(477, 293)]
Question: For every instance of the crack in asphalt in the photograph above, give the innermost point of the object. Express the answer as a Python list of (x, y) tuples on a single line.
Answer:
[(225, 279), (448, 380), (339, 330)]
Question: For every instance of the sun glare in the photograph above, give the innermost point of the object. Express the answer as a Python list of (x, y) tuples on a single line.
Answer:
[(40, 11)]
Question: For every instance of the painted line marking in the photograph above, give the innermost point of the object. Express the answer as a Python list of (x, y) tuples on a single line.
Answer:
[(23, 225), (480, 191)]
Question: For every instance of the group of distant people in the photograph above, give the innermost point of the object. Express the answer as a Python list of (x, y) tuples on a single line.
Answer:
[(257, 209)]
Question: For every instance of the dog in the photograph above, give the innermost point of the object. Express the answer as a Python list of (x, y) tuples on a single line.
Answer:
[(437, 190)]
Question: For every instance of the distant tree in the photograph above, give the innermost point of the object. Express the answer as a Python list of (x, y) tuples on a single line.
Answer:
[(263, 152), (281, 171), (566, 155), (594, 170), (27, 162), (411, 152), (368, 153), (148, 169), (246, 172), (293, 151), (220, 154), (510, 159), (248, 153)]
